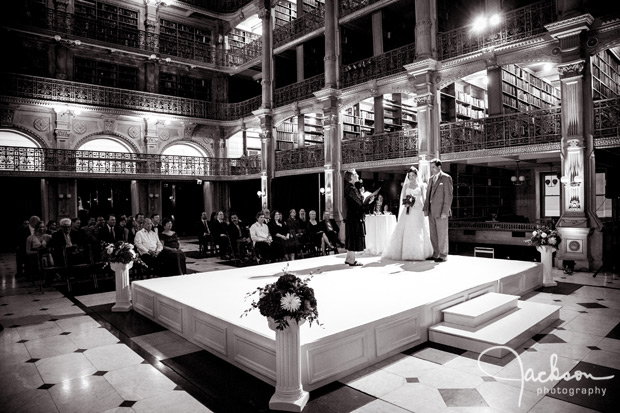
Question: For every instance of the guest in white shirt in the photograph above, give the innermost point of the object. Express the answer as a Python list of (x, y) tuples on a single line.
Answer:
[(259, 232), (148, 245)]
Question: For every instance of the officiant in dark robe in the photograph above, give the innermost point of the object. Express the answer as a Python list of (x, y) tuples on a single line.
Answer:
[(355, 237)]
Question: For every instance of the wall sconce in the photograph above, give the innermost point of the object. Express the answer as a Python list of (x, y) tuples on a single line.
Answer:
[(199, 181), (551, 180), (577, 180), (68, 196), (67, 42), (61, 196), (151, 195), (517, 179), (322, 191), (260, 194), (156, 195)]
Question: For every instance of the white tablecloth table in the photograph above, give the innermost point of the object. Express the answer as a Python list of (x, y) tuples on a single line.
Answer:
[(379, 228)]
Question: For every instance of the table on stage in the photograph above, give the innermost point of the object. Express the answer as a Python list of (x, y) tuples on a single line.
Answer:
[(379, 228)]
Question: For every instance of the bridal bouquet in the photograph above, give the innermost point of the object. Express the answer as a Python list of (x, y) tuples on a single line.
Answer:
[(288, 297), (409, 201), (544, 236), (122, 252)]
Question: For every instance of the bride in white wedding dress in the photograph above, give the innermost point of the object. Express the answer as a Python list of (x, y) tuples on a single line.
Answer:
[(410, 240)]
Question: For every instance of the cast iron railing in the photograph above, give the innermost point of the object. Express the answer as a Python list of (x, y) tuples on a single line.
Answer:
[(347, 7), (18, 159), (516, 25), (394, 145), (302, 25), (377, 67), (298, 91), (221, 6), (516, 129), (607, 118), (56, 90), (307, 157)]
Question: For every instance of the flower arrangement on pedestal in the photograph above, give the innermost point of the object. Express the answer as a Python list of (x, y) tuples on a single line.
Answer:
[(289, 297), (409, 201), (544, 236), (121, 252)]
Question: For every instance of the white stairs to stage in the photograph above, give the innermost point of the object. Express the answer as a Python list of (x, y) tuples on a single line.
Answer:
[(492, 320)]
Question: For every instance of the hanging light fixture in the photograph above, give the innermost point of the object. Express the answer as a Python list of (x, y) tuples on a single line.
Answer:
[(517, 179), (551, 180)]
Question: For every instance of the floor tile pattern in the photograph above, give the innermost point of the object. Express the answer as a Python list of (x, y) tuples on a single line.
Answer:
[(70, 353)]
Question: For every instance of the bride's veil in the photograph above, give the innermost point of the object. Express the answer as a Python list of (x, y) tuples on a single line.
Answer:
[(401, 208)]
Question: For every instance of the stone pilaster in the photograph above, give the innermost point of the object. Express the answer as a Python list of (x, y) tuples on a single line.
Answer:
[(266, 17), (331, 58), (329, 99), (425, 28), (62, 132), (268, 153), (151, 138)]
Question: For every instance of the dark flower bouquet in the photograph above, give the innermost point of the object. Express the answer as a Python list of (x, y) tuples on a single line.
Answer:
[(409, 201), (289, 296), (544, 236), (122, 252)]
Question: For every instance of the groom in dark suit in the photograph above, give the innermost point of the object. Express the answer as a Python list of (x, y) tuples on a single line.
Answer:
[(437, 207)]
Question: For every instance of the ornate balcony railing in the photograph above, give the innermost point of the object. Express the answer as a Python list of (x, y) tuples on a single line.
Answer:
[(298, 91), (312, 156), (304, 24), (394, 145), (100, 31), (607, 118), (250, 51), (17, 159), (516, 129), (221, 6), (55, 90), (349, 6), (519, 24), (376, 67)]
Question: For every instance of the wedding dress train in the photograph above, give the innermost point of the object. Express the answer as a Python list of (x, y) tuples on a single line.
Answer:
[(410, 240)]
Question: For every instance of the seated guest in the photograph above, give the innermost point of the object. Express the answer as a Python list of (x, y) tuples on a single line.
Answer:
[(203, 231), (52, 226), (386, 210), (38, 243), (110, 232), (330, 232), (132, 229), (313, 233), (122, 224), (259, 233), (378, 210), (172, 257), (71, 241), (148, 245), (239, 236), (157, 226), (303, 219), (267, 215), (284, 245), (219, 233), (291, 222), (28, 228)]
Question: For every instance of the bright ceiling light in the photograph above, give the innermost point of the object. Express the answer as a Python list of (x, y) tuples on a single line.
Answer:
[(479, 24), (494, 20)]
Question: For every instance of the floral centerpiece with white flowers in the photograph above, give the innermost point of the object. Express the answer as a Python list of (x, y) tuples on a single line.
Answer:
[(545, 236), (288, 297), (122, 252)]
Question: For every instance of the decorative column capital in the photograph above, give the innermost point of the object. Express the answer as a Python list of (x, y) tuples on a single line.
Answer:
[(422, 67), (6, 117), (571, 69), (424, 100), (264, 13), (570, 27)]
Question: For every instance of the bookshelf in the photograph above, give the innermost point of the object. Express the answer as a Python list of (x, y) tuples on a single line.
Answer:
[(463, 101), (184, 86), (605, 75), (479, 191), (285, 12), (107, 14), (398, 113), (523, 91), (286, 132), (184, 32), (96, 72), (238, 38)]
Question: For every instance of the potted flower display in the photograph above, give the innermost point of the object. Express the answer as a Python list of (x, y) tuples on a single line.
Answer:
[(120, 257), (287, 303), (546, 241)]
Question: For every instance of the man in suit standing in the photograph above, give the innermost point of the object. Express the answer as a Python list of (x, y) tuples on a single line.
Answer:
[(437, 207)]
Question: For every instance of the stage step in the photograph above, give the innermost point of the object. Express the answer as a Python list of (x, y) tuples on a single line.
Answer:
[(510, 329), (479, 310)]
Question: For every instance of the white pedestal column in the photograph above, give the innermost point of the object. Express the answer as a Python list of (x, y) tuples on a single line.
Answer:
[(123, 291), (546, 258), (290, 395)]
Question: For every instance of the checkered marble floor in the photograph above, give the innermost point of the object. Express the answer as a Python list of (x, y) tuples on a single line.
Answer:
[(65, 353)]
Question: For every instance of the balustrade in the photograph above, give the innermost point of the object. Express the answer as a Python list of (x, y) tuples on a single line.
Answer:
[(516, 129), (307, 157), (299, 91), (221, 6), (77, 163), (394, 145), (302, 25), (347, 7), (377, 67), (516, 25)]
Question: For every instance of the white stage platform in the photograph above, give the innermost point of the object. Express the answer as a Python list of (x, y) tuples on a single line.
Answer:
[(368, 313)]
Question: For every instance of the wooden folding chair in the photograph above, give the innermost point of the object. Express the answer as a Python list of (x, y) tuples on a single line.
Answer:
[(46, 267)]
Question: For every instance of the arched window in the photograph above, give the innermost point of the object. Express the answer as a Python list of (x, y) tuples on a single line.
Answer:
[(184, 159), (105, 155), (18, 152)]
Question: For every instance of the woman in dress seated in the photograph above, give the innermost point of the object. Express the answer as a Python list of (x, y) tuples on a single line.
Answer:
[(38, 243), (284, 245), (172, 257)]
